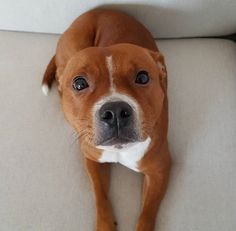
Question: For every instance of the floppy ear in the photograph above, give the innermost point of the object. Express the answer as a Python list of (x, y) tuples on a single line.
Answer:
[(159, 59)]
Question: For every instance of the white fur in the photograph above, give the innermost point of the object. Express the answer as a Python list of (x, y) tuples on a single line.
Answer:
[(109, 67), (45, 89), (128, 155), (113, 97)]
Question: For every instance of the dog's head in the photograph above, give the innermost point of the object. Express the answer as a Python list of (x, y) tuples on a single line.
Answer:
[(113, 95)]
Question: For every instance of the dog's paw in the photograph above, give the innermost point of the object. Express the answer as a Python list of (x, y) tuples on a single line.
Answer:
[(145, 225), (106, 226)]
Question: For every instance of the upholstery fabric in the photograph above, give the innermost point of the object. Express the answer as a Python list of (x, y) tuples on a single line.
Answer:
[(164, 18), (43, 184)]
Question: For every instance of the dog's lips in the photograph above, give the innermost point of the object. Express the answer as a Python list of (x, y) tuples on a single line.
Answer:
[(117, 141), (114, 147)]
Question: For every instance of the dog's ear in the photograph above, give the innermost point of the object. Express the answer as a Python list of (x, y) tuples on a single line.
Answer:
[(159, 60)]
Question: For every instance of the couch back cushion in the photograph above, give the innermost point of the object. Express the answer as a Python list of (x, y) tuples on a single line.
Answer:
[(164, 18)]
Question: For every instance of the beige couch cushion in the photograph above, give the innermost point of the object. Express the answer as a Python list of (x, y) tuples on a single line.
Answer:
[(43, 185), (164, 18)]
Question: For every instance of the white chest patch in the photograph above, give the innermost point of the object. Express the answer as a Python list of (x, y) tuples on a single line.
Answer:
[(128, 155)]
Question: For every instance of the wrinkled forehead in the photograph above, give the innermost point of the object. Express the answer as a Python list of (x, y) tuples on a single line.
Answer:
[(127, 55), (116, 58), (91, 59), (127, 58)]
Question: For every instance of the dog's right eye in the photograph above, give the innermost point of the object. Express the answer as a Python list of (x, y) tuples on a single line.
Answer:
[(142, 78), (79, 83)]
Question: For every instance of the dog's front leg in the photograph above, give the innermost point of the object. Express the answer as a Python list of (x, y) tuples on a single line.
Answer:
[(154, 187), (100, 176)]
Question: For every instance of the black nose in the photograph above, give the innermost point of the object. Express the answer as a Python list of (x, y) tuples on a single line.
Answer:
[(116, 114)]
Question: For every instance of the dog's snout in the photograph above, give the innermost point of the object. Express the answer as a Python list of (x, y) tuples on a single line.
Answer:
[(116, 124), (116, 114)]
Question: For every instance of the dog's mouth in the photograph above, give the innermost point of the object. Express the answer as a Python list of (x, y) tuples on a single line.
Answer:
[(118, 142)]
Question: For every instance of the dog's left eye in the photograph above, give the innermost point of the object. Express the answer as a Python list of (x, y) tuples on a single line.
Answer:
[(142, 77), (79, 83)]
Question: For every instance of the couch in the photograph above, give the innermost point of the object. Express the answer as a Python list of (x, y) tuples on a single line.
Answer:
[(43, 184)]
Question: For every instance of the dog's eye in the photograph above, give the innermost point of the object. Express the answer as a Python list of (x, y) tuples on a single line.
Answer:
[(79, 83), (142, 77)]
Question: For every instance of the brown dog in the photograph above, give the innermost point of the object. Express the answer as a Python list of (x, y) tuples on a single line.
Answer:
[(112, 81)]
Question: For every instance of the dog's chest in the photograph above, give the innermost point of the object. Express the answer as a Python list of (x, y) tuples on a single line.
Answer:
[(127, 156)]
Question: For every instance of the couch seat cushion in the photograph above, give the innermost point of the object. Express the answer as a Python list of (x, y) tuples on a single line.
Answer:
[(43, 181)]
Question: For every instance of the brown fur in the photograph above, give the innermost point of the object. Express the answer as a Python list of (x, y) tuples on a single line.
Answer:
[(82, 49)]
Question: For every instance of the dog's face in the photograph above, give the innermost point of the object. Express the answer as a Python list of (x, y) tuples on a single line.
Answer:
[(114, 95)]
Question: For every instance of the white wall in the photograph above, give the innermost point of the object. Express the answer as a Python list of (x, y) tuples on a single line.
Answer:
[(165, 18)]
